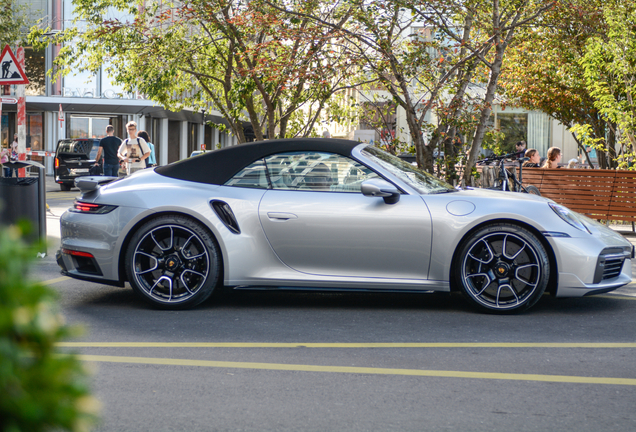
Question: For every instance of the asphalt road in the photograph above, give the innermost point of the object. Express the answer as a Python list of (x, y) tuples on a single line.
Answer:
[(263, 361)]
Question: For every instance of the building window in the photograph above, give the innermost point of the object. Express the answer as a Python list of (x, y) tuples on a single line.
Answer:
[(515, 128), (34, 137), (85, 126), (5, 133), (35, 71)]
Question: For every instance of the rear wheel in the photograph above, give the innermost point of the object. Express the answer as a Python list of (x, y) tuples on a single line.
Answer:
[(502, 268), (65, 187), (173, 262)]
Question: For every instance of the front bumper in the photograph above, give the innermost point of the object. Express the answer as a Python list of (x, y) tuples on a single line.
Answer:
[(593, 265)]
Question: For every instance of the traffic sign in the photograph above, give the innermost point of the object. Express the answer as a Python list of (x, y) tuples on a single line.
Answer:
[(12, 72), (8, 100)]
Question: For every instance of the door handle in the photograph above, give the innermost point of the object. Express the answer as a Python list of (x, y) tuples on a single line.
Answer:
[(281, 216)]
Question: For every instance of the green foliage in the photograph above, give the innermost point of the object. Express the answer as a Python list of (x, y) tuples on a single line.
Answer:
[(13, 22), (41, 389), (247, 60), (585, 134), (610, 71), (494, 140)]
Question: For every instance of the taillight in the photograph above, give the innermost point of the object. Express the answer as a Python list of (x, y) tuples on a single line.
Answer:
[(77, 253), (84, 207), (57, 163)]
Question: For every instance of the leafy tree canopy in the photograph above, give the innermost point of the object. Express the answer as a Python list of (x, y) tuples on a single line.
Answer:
[(244, 59)]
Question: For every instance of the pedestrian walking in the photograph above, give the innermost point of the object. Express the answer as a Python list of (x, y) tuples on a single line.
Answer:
[(134, 150), (5, 156), (109, 145), (151, 161)]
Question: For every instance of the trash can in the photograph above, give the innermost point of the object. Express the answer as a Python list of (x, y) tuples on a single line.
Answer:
[(24, 198)]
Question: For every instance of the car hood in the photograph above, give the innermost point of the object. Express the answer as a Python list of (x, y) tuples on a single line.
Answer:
[(496, 194)]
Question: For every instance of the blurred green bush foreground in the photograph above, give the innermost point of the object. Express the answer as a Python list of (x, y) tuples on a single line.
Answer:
[(40, 389)]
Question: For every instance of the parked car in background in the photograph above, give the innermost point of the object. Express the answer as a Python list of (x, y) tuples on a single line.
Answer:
[(199, 152), (75, 158)]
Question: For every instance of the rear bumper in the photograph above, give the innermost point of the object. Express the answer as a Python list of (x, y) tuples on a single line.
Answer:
[(74, 268)]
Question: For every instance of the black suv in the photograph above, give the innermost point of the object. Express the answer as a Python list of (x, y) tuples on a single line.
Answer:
[(75, 158)]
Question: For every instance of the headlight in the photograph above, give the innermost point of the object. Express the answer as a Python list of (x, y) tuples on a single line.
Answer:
[(573, 218)]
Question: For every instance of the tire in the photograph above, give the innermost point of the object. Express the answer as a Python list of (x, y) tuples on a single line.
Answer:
[(65, 187), (502, 268), (173, 262), (532, 190)]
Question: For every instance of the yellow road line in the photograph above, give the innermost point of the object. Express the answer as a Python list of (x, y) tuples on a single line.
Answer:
[(341, 345), (362, 370), (56, 280)]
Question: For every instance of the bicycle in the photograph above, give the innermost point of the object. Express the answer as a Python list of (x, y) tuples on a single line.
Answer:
[(507, 180)]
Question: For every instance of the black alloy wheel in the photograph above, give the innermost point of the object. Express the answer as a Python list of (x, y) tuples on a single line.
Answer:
[(173, 262), (502, 268)]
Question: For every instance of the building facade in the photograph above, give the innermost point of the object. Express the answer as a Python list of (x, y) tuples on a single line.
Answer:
[(81, 105)]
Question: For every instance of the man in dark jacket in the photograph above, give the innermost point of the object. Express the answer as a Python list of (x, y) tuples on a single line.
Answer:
[(109, 145)]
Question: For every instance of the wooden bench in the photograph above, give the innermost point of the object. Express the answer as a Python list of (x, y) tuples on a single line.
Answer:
[(599, 194)]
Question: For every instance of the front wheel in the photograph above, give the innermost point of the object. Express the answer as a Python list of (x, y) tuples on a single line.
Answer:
[(502, 268), (173, 262)]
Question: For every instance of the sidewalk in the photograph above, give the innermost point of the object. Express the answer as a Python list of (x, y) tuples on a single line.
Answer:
[(51, 186)]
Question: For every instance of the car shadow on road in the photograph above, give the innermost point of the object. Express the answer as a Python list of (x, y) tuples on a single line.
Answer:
[(124, 299)]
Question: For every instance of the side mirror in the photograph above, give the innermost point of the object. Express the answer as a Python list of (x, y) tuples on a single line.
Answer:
[(380, 188)]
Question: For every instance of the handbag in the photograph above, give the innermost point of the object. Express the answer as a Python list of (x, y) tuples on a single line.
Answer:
[(95, 170)]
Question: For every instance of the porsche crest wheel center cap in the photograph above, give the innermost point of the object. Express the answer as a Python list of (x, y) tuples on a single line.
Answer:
[(172, 262), (502, 269)]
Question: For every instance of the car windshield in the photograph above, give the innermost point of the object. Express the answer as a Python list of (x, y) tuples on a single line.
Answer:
[(419, 180)]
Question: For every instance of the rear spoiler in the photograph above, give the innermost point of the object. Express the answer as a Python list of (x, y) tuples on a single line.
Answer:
[(88, 184)]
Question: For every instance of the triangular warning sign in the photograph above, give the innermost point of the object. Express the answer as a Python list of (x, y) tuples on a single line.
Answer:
[(11, 71)]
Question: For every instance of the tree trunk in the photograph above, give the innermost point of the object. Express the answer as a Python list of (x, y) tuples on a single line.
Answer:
[(611, 147), (423, 154), (480, 131)]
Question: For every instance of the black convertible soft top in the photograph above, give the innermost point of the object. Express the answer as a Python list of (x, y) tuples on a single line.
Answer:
[(219, 166)]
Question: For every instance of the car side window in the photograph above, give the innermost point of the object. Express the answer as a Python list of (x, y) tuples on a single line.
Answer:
[(252, 176), (316, 171)]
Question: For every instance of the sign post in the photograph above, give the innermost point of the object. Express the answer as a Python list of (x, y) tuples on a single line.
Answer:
[(13, 74), (20, 93)]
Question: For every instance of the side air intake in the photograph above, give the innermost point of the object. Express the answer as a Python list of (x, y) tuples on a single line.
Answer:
[(224, 212)]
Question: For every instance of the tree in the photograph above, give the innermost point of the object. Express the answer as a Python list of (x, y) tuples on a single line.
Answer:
[(418, 71), (610, 74), (399, 54), (13, 22), (495, 24), (244, 59), (543, 71)]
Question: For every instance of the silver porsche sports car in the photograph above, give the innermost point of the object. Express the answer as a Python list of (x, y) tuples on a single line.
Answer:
[(326, 214)]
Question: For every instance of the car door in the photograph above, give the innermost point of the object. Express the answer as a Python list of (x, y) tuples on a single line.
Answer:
[(317, 221)]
